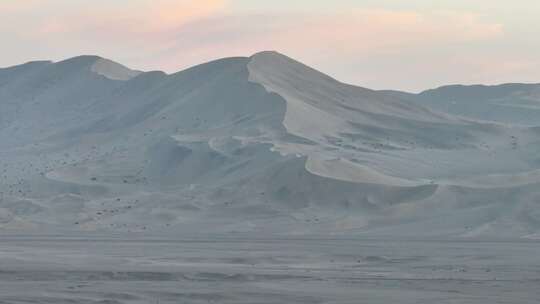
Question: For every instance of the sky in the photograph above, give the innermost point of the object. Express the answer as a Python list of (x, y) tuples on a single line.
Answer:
[(409, 45)]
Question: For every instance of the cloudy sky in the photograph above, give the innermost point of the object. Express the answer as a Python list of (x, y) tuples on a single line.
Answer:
[(400, 44)]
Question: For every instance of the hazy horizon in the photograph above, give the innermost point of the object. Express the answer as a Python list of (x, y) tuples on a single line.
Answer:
[(249, 55)]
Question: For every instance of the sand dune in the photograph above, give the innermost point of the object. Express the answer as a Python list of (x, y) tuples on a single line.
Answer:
[(261, 143)]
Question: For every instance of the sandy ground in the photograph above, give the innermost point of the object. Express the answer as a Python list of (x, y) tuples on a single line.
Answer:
[(245, 269)]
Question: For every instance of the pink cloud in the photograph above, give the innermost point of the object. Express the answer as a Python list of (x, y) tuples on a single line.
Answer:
[(140, 18), (194, 29), (10, 6), (175, 34), (368, 31), (335, 36)]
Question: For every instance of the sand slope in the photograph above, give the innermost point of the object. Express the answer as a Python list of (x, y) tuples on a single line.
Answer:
[(261, 143)]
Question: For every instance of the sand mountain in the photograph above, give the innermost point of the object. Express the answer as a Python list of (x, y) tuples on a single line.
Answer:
[(261, 143)]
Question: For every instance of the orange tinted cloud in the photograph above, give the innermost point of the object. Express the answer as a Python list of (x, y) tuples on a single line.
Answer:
[(171, 13), (10, 6), (333, 36), (385, 31), (139, 16), (165, 25), (174, 34)]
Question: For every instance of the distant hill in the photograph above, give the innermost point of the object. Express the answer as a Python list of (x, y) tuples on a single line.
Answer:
[(513, 103)]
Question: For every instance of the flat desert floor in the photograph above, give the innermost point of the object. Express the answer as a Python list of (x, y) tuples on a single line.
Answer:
[(68, 269)]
